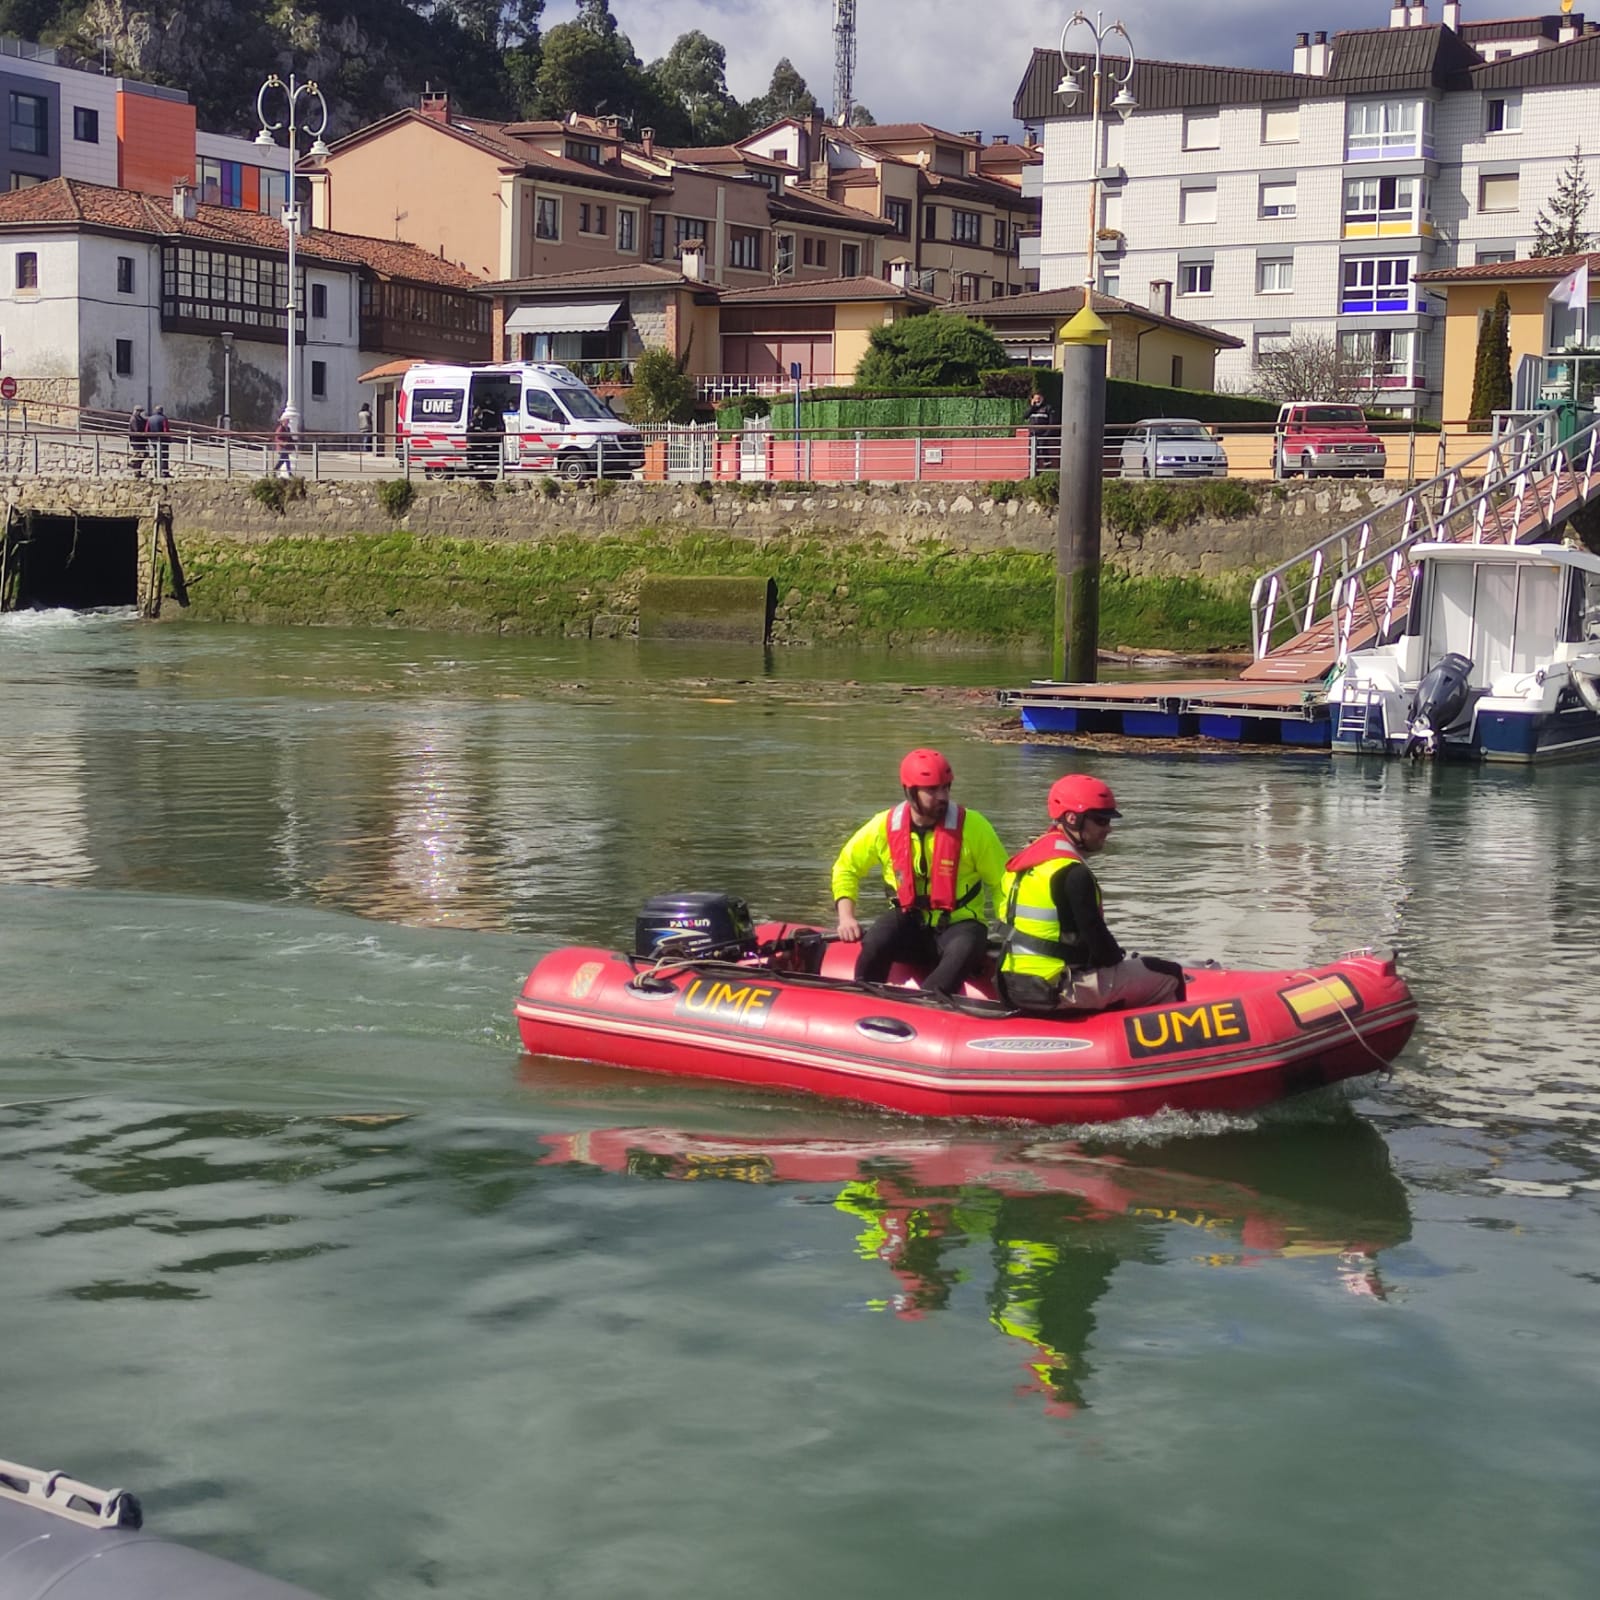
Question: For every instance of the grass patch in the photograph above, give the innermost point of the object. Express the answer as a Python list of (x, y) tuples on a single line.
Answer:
[(396, 496), (276, 493)]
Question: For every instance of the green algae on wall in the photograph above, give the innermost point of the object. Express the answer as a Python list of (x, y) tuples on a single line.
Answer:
[(867, 591)]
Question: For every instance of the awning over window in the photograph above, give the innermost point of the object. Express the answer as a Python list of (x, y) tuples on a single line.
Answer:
[(564, 317)]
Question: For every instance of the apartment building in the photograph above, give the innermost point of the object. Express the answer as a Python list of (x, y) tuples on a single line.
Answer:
[(67, 120), (1271, 204), (110, 298), (957, 210)]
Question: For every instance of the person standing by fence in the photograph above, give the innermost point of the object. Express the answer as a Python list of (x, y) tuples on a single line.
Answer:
[(364, 429), (138, 444), (157, 427), (283, 443)]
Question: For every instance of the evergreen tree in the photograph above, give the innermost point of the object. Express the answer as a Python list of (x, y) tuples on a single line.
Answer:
[(1559, 229), (929, 351), (786, 96), (1491, 381)]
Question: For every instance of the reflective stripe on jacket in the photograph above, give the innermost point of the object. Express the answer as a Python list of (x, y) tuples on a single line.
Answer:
[(940, 863)]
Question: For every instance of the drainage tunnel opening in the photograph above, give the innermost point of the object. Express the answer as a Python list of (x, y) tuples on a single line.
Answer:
[(76, 563)]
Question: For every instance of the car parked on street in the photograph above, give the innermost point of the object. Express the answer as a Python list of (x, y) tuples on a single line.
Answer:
[(1318, 438), (1172, 447)]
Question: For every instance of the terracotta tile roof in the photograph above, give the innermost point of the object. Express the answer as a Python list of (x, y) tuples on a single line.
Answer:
[(69, 202), (722, 155), (1066, 302), (827, 290), (499, 137), (900, 133), (801, 205), (1548, 268), (992, 191)]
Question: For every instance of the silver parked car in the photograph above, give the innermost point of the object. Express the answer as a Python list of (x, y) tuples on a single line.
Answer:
[(1172, 447)]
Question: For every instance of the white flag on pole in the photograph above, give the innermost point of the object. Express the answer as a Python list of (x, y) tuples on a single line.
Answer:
[(1573, 290)]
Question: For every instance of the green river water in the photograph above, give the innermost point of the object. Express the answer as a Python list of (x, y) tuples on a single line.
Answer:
[(299, 1245)]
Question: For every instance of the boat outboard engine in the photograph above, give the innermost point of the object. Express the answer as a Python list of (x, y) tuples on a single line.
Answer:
[(1438, 702), (696, 927)]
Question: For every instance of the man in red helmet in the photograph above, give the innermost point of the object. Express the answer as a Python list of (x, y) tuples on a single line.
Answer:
[(1059, 953), (937, 859)]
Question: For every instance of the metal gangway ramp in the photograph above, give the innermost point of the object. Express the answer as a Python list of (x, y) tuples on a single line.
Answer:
[(1353, 588)]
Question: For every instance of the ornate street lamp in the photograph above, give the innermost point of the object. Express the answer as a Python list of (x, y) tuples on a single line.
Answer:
[(1106, 73), (316, 115)]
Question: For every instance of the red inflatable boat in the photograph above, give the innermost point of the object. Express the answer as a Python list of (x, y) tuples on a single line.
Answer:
[(707, 995)]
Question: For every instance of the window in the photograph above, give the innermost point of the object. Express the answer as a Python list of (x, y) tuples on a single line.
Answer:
[(898, 215), (30, 124), (1278, 197), (1002, 233), (1275, 275), (27, 269), (85, 125), (744, 249), (1503, 114), (591, 218), (547, 218), (319, 380), (1377, 283), (124, 358), (1488, 258), (319, 299), (273, 190), (849, 261), (1497, 191), (221, 183), (967, 286), (966, 227), (686, 228), (1111, 284), (1194, 277), (783, 265), (658, 238), (124, 274), (627, 230), (1383, 356), (1378, 200), (1270, 342), (822, 252), (25, 180), (1389, 128), (1280, 126), (930, 222), (1197, 205), (1202, 130), (580, 150), (807, 248), (1177, 372)]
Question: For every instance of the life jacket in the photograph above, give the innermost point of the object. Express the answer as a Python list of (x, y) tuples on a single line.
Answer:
[(1035, 943), (943, 862)]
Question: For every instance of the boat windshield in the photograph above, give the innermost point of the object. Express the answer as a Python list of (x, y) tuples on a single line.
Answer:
[(1503, 616)]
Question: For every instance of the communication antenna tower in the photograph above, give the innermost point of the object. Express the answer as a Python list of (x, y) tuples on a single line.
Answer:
[(844, 60)]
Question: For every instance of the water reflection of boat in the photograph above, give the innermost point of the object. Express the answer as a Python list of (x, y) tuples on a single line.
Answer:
[(775, 1006), (1052, 1219)]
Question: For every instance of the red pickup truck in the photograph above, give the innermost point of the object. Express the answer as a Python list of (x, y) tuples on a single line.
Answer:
[(1317, 437)]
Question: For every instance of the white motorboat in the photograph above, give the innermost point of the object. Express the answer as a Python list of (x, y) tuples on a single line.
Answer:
[(1498, 659)]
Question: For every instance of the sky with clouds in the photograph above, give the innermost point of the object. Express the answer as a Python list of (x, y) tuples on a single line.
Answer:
[(957, 63)]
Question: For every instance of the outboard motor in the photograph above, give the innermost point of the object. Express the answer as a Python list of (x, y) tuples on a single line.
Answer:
[(1439, 701), (695, 927)]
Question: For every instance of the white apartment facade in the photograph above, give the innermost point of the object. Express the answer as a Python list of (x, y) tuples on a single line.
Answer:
[(1272, 204)]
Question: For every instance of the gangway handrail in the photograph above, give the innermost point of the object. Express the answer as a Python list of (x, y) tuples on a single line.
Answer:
[(1309, 587)]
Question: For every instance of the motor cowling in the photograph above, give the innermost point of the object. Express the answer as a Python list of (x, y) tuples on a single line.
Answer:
[(695, 926), (1439, 700)]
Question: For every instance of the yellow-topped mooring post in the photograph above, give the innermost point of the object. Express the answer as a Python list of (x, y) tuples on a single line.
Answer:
[(1083, 428)]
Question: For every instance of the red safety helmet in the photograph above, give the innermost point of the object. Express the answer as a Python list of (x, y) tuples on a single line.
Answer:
[(925, 769), (1075, 794)]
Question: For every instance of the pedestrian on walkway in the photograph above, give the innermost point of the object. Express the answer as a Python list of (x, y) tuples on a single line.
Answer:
[(138, 444), (157, 428), (283, 443)]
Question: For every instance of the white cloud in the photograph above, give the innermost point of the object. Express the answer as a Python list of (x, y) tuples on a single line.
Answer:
[(957, 64)]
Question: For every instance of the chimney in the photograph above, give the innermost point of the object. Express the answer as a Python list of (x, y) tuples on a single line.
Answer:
[(1160, 298), (1302, 53), (1452, 15), (694, 260), (183, 201), (1031, 139), (1418, 17), (1398, 15), (1002, 138), (647, 141), (1571, 27), (900, 272), (1317, 56), (435, 106)]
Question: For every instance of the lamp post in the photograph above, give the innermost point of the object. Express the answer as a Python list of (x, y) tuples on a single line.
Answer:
[(1083, 382), (227, 382), (293, 92), (1104, 73)]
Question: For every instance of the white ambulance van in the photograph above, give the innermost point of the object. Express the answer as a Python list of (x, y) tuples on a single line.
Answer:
[(551, 421)]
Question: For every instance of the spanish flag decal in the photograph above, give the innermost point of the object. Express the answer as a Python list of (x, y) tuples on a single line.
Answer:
[(1317, 1002)]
